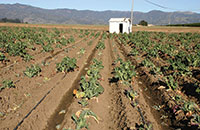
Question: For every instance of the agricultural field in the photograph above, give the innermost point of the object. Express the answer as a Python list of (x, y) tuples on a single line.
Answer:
[(78, 79)]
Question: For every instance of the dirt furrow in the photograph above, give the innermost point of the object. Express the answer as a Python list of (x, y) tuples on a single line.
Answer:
[(66, 101), (101, 105), (132, 117)]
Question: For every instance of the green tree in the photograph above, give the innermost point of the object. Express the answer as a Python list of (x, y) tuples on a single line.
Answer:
[(143, 23)]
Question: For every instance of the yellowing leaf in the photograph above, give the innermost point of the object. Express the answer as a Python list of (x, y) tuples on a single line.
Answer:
[(80, 94)]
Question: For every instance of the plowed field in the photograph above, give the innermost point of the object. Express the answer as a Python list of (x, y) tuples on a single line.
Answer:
[(138, 81)]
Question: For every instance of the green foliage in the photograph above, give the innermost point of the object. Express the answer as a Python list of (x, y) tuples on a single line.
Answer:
[(197, 85), (92, 34), (27, 57), (97, 35), (6, 20), (91, 87), (66, 65), (131, 94), (89, 84), (2, 57), (122, 40), (147, 63), (189, 106), (155, 71), (18, 41), (153, 52), (125, 71), (134, 52), (147, 126), (32, 71), (70, 40), (81, 121), (186, 25), (83, 102), (173, 58), (82, 51), (17, 49), (100, 45), (143, 23), (104, 35), (58, 46), (171, 83), (196, 120), (7, 84), (97, 64), (47, 48), (67, 129), (198, 90), (87, 32)]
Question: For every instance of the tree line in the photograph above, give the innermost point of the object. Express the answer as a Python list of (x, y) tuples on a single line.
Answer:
[(186, 25), (6, 20)]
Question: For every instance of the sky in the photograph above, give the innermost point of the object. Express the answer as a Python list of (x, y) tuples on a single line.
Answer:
[(122, 5)]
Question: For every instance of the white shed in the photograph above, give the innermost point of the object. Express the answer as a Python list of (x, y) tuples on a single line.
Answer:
[(120, 25)]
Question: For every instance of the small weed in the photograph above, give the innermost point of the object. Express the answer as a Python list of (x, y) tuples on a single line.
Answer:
[(7, 84)]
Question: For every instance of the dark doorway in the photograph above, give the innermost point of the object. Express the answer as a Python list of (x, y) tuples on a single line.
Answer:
[(121, 28)]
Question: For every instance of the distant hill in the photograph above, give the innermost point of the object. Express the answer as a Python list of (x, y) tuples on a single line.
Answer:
[(37, 15)]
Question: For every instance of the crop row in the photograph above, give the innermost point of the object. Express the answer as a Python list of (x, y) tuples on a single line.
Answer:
[(24, 41), (173, 60), (89, 88), (19, 41)]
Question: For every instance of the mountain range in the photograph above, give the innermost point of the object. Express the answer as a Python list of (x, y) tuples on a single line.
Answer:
[(36, 15)]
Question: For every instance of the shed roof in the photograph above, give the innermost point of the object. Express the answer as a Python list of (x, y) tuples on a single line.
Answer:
[(119, 19)]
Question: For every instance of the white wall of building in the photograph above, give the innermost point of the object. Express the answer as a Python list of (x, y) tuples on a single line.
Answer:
[(114, 25)]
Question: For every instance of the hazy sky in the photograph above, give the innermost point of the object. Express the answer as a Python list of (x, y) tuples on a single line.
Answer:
[(125, 5)]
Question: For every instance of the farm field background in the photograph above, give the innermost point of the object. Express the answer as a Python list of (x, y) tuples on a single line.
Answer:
[(80, 77), (106, 28)]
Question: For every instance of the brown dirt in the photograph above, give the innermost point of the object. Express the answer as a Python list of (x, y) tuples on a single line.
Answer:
[(167, 29)]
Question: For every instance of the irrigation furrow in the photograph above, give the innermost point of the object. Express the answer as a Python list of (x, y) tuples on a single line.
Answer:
[(66, 101), (144, 107)]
